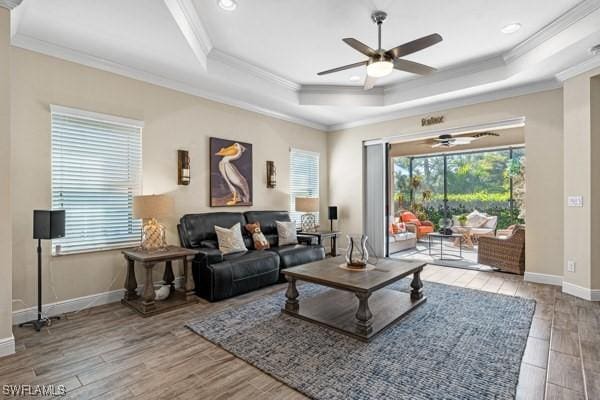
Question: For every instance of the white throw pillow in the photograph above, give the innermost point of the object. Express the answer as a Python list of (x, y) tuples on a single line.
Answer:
[(476, 219), (230, 240), (286, 232)]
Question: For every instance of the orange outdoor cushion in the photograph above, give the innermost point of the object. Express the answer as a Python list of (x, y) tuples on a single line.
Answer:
[(423, 229), (407, 216)]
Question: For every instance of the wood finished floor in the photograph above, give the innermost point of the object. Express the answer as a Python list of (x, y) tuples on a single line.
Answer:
[(109, 352)]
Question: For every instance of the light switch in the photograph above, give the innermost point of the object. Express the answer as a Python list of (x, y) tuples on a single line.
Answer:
[(575, 201)]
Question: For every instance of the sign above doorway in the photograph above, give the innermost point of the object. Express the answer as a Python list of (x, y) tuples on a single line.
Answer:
[(432, 120)]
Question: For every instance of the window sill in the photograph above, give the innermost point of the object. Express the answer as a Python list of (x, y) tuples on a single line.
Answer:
[(99, 250)]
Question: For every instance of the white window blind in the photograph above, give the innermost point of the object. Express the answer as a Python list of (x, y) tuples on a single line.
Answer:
[(96, 171), (304, 179)]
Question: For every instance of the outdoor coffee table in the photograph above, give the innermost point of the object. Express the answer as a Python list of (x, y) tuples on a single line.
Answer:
[(358, 304), (445, 252)]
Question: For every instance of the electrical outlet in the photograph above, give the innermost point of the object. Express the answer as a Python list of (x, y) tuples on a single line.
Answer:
[(571, 266)]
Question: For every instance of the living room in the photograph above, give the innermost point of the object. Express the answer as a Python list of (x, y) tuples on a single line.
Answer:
[(196, 107)]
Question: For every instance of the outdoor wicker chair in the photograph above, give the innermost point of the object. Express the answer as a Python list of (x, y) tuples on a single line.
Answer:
[(505, 253)]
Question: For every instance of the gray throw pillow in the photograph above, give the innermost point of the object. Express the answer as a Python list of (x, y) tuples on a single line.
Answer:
[(286, 232), (230, 240)]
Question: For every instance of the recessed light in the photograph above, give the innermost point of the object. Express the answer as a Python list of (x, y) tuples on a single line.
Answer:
[(511, 28), (355, 78), (227, 5)]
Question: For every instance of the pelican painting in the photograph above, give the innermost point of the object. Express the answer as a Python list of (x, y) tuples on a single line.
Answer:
[(231, 173)]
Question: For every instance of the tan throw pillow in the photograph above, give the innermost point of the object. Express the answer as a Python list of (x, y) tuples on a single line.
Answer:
[(230, 240), (286, 232), (259, 239)]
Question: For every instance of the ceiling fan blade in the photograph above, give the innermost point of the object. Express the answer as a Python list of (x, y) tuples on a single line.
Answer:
[(360, 46), (437, 145), (413, 67), (465, 140), (369, 82), (350, 66), (414, 46)]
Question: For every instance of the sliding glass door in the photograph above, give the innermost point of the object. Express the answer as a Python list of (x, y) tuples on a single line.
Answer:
[(446, 185)]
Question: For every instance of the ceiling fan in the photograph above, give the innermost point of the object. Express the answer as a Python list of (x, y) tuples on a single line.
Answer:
[(449, 141), (381, 62)]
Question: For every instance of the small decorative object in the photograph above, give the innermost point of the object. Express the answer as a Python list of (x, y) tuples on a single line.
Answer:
[(149, 208), (446, 226), (260, 241), (308, 206), (333, 215), (162, 292), (183, 167), (462, 219), (230, 173), (357, 255), (271, 175)]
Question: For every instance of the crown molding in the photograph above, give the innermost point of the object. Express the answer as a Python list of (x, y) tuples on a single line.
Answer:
[(332, 95), (187, 19), (561, 23), (245, 66), (578, 69), (50, 49), (450, 104), (10, 4)]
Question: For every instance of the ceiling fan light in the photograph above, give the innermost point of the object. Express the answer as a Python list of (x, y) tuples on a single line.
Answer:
[(511, 28), (379, 69), (227, 5)]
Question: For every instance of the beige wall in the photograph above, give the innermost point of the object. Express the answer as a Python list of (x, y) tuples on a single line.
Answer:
[(595, 180), (582, 167), (544, 141), (5, 211), (172, 121)]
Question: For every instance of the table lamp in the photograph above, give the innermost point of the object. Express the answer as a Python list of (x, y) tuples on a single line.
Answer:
[(149, 209), (308, 205)]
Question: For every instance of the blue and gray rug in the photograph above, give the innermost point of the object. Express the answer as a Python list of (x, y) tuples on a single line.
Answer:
[(460, 344)]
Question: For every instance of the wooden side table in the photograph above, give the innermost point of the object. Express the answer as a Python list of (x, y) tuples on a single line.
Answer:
[(467, 237), (146, 304), (321, 235)]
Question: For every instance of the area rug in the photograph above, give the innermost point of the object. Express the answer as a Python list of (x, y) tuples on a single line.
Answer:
[(460, 344)]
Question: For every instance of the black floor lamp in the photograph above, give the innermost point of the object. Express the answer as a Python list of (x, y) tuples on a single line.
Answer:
[(47, 224)]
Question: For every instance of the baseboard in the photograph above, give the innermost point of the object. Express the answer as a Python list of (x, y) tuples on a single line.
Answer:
[(7, 346), (547, 279), (581, 292), (79, 303)]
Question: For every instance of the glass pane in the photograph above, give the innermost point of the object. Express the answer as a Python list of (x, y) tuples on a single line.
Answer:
[(400, 185), (480, 181)]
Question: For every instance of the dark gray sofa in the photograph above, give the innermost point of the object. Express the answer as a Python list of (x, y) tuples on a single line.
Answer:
[(219, 276)]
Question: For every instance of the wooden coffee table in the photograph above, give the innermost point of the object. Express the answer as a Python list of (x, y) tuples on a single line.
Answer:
[(359, 303)]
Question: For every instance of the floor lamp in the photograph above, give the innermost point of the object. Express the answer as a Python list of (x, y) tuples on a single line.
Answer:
[(47, 224)]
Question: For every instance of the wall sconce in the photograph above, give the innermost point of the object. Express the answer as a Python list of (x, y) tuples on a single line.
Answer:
[(271, 175), (183, 167)]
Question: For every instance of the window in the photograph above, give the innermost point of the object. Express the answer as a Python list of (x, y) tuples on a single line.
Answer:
[(96, 171), (304, 179)]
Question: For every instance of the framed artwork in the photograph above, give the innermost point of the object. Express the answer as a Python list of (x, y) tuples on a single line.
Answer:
[(230, 173)]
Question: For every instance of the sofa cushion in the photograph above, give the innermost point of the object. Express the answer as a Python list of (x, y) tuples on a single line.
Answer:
[(196, 228), (286, 232), (230, 239), (238, 273), (402, 236), (267, 220), (297, 254)]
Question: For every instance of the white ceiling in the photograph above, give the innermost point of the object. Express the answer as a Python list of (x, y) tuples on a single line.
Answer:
[(264, 56), (298, 38)]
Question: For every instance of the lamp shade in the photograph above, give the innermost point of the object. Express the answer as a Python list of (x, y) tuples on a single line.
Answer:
[(307, 204), (152, 206)]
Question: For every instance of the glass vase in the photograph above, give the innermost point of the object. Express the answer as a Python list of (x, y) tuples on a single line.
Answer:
[(357, 255)]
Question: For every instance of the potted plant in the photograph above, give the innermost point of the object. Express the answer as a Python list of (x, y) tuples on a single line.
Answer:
[(462, 219)]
